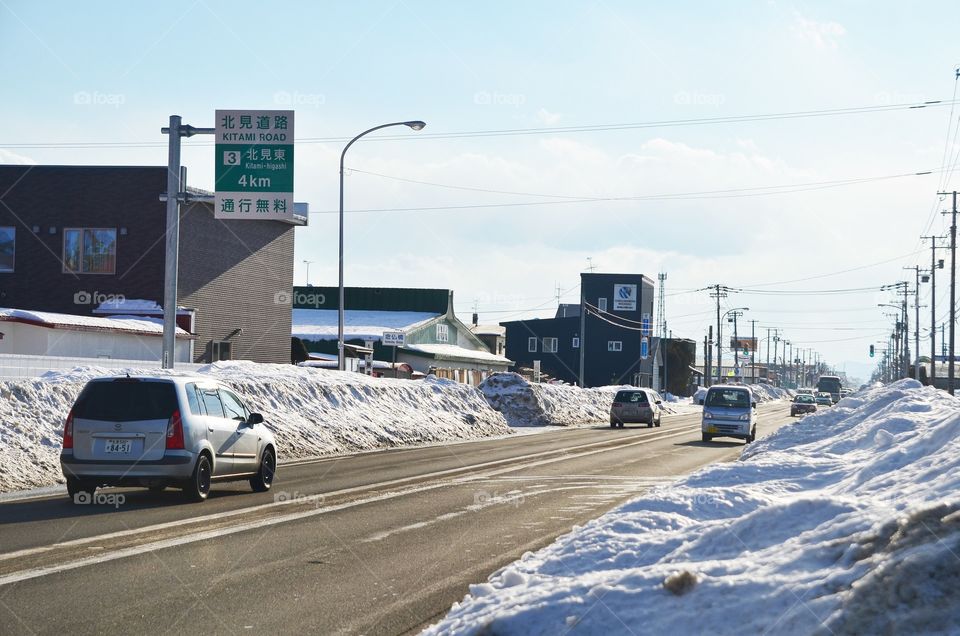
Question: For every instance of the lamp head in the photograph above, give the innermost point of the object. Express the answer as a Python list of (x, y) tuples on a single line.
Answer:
[(416, 125)]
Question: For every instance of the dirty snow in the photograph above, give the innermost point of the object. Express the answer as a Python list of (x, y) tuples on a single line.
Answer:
[(526, 403), (312, 412), (844, 522)]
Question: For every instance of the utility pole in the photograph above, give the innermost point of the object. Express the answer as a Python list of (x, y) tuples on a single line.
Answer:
[(916, 323), (720, 291), (953, 289), (736, 339), (661, 310), (934, 265), (708, 358), (753, 351), (583, 328)]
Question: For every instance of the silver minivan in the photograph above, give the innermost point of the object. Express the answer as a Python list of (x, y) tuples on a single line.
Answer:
[(729, 411), (164, 431), (636, 405)]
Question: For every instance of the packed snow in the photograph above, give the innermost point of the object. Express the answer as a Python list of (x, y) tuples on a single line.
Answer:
[(526, 403), (846, 521), (312, 412), (130, 324), (322, 324)]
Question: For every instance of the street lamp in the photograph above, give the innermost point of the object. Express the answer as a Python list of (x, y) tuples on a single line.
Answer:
[(720, 342), (415, 125)]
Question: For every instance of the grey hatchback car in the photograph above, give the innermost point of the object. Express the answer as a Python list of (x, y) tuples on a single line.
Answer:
[(164, 431), (636, 405)]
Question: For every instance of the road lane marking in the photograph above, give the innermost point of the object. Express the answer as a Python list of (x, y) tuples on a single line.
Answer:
[(31, 573)]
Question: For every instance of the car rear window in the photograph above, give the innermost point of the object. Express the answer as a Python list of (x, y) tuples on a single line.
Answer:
[(126, 401), (635, 397), (728, 397)]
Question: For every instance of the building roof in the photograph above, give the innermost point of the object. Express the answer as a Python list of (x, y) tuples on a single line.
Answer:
[(133, 325), (453, 352), (322, 324), (489, 330)]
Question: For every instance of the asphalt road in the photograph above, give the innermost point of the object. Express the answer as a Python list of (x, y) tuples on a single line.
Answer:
[(377, 543)]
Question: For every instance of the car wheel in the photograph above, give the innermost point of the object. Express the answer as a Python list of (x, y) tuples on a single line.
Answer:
[(707, 438), (620, 424), (264, 477), (198, 487), (76, 486), (613, 424), (659, 420)]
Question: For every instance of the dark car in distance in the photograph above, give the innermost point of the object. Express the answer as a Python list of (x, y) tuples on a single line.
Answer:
[(803, 403)]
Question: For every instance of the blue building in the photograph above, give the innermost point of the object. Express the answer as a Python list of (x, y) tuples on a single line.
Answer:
[(613, 323)]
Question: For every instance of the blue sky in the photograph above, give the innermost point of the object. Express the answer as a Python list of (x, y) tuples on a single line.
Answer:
[(114, 71)]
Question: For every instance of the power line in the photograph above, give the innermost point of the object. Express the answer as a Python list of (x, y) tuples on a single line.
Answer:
[(733, 193), (668, 123)]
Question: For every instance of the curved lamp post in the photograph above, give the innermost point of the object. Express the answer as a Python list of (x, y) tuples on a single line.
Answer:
[(415, 125)]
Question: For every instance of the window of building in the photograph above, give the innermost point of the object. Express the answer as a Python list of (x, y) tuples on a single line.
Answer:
[(602, 304), (8, 236), (614, 345), (222, 350), (443, 332), (576, 342), (90, 250), (549, 345), (531, 345)]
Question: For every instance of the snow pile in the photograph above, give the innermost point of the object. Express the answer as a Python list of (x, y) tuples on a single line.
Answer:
[(311, 411), (845, 522), (763, 393), (526, 403), (533, 404)]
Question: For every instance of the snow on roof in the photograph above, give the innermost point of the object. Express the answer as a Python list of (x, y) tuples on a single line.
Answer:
[(453, 351), (321, 324), (127, 306), (489, 330), (137, 325)]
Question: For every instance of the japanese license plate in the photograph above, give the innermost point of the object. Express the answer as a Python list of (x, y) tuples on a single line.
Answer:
[(120, 446)]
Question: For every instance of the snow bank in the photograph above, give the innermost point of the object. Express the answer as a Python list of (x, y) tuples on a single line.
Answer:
[(763, 393), (311, 411), (846, 521), (526, 403)]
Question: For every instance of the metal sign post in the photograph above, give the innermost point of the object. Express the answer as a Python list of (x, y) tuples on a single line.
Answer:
[(175, 193)]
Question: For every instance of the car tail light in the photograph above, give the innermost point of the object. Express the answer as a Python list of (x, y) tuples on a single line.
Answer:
[(68, 431), (175, 432)]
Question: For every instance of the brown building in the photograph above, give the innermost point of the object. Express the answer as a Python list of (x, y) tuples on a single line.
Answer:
[(89, 240)]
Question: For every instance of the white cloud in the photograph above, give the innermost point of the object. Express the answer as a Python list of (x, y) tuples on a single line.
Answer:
[(823, 35)]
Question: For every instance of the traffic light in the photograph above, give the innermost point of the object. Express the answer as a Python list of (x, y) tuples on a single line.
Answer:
[(871, 351)]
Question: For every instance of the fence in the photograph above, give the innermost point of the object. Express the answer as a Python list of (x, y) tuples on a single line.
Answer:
[(14, 366)]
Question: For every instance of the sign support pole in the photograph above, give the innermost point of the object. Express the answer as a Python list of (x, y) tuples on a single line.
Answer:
[(176, 184)]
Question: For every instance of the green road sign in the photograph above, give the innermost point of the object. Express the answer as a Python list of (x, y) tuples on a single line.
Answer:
[(254, 164)]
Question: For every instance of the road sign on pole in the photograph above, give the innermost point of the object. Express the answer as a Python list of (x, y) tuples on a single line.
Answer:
[(394, 338), (254, 164)]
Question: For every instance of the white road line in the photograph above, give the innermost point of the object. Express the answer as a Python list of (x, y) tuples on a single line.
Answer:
[(23, 575), (297, 500)]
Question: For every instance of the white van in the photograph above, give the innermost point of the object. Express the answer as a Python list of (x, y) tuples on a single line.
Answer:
[(729, 410)]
